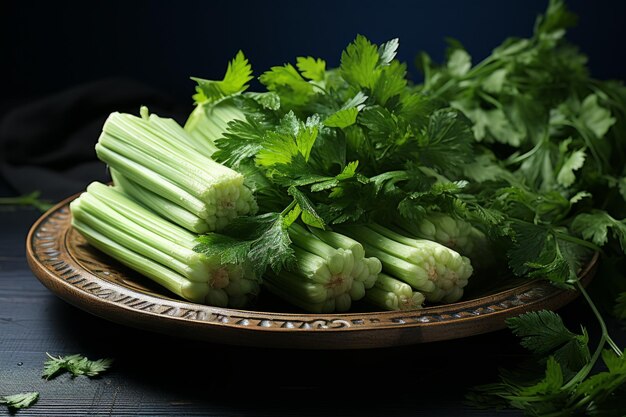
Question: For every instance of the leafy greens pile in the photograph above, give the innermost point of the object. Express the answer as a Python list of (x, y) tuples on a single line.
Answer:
[(524, 145)]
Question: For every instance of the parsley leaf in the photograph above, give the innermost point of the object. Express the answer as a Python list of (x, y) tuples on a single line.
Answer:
[(287, 82), (260, 240), (543, 332), (346, 116), (291, 138), (359, 62), (74, 364), (573, 162), (238, 74), (242, 141), (388, 51), (596, 226), (311, 68), (19, 401)]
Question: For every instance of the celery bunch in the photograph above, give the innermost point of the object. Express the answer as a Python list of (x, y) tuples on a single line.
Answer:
[(330, 272), (159, 249), (454, 233), (157, 155), (429, 267), (392, 294)]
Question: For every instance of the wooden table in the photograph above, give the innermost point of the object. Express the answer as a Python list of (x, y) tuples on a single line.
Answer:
[(155, 375)]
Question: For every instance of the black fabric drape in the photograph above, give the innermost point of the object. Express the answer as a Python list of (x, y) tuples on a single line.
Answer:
[(48, 144)]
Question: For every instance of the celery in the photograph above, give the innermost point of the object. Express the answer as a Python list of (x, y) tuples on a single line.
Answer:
[(392, 294), (456, 234), (160, 205), (208, 122), (106, 215), (325, 278), (365, 270), (301, 294), (429, 267), (169, 279), (158, 155)]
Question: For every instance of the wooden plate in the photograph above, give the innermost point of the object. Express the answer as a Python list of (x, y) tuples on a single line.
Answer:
[(88, 279)]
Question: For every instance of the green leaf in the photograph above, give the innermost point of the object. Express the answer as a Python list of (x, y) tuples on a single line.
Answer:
[(459, 62), (543, 332), (288, 84), (347, 115), (292, 215), (595, 226), (291, 138), (390, 82), (381, 123), (19, 401), (491, 125), (238, 74), (311, 68), (552, 382), (556, 19), (494, 82), (601, 385), (242, 141), (260, 240), (529, 243), (342, 118), (75, 364), (388, 51), (574, 161), (359, 62), (309, 214), (268, 100), (595, 117), (447, 141), (349, 171), (486, 168)]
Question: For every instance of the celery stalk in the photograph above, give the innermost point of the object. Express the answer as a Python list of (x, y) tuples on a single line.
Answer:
[(392, 294), (157, 250), (160, 205), (157, 154), (133, 227), (176, 283), (429, 267), (152, 181)]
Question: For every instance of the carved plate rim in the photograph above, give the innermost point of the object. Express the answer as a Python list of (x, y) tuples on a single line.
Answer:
[(58, 268)]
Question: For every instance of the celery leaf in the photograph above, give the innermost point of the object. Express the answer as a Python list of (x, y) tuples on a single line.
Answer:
[(311, 68), (19, 401), (75, 364), (238, 75), (261, 240)]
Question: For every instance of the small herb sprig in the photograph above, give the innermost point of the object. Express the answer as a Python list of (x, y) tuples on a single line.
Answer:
[(74, 364), (21, 400)]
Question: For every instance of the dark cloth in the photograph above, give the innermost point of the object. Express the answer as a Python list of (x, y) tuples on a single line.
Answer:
[(48, 144)]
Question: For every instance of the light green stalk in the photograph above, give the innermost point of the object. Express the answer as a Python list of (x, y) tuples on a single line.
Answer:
[(158, 155), (429, 267), (392, 294), (160, 205), (208, 122), (325, 278), (454, 233), (176, 283), (116, 217)]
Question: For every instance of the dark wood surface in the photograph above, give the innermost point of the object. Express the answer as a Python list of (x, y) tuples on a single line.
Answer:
[(156, 375)]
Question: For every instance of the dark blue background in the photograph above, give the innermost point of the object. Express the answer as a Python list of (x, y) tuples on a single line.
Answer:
[(53, 45)]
